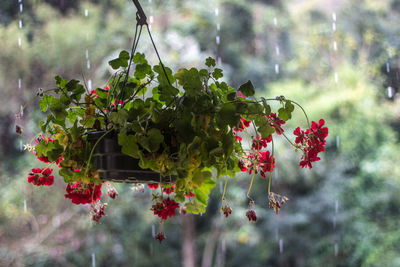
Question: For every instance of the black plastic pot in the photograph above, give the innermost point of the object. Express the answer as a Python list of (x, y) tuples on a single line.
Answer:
[(115, 166)]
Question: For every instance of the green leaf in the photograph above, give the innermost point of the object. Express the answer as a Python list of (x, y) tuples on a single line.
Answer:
[(190, 81), (45, 102), (71, 85), (283, 114), (227, 115), (119, 117), (121, 61), (162, 79), (155, 139), (139, 58), (167, 93), (128, 143), (58, 109), (247, 89), (210, 62), (142, 70), (217, 74)]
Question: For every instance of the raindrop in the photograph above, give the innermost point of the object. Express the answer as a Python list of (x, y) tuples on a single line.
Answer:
[(275, 21), (150, 27), (93, 259), (334, 45), (90, 84), (276, 235), (20, 24), (276, 68), (334, 222), (221, 187), (336, 206), (334, 16), (21, 110), (336, 78), (25, 206), (223, 247), (276, 173), (334, 26), (216, 11), (390, 52), (277, 50), (217, 39), (151, 19), (390, 92), (21, 147), (218, 27), (19, 41), (337, 141), (87, 54), (19, 83), (219, 61), (387, 67), (281, 246), (88, 64), (86, 12), (153, 231), (21, 8), (336, 249)]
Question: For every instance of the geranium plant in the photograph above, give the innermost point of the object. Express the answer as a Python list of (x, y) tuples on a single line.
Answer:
[(189, 128)]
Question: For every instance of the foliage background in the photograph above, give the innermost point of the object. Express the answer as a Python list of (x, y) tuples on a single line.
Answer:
[(344, 212)]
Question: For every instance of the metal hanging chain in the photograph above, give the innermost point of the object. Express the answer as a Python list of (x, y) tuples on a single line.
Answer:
[(141, 20)]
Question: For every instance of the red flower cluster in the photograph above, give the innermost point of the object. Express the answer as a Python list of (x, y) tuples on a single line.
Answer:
[(165, 208), (275, 201), (83, 193), (265, 163), (243, 124), (226, 210), (312, 141), (168, 190), (251, 215), (97, 210), (41, 177), (111, 191), (190, 194), (259, 142), (276, 122), (153, 186)]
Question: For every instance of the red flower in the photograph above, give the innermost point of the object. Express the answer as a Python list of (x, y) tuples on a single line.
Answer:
[(259, 143), (318, 130), (190, 194), (251, 215), (300, 136), (266, 163), (239, 94), (276, 122), (165, 208), (111, 191), (41, 177), (153, 186), (226, 210), (160, 237), (168, 190), (312, 142), (83, 193), (97, 211)]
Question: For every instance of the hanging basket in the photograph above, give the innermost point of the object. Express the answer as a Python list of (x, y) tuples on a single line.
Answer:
[(113, 165)]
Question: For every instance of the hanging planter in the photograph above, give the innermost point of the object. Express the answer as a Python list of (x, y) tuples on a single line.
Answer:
[(113, 165), (176, 132)]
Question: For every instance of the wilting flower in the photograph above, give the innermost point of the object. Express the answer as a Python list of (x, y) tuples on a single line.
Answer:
[(97, 211), (251, 213), (226, 210), (165, 208)]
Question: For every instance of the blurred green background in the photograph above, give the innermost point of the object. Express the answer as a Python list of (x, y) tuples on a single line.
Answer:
[(338, 58)]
